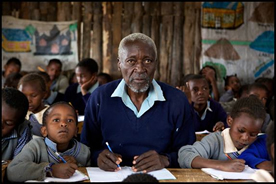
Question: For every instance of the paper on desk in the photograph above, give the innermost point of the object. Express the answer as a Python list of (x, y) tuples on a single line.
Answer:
[(245, 174), (203, 132), (98, 175), (77, 176), (80, 118)]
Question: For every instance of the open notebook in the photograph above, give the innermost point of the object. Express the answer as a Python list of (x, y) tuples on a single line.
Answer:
[(98, 175)]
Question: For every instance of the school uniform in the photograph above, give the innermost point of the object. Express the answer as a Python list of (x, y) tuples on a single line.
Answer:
[(13, 144), (31, 162), (60, 84), (216, 145), (36, 121)]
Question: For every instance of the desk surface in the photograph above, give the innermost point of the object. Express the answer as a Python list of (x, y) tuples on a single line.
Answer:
[(185, 175)]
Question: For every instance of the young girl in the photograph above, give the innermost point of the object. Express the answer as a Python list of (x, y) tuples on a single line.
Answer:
[(33, 86), (232, 87), (39, 157), (219, 150), (78, 93), (16, 130)]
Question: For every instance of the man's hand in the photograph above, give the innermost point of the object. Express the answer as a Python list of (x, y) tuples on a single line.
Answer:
[(149, 161), (108, 161)]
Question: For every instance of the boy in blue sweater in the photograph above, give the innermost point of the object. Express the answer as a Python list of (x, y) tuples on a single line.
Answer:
[(144, 121)]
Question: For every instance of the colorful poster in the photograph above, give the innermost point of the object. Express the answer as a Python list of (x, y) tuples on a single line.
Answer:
[(34, 43), (238, 38)]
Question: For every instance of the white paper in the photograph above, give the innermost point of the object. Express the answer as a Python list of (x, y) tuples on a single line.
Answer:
[(77, 176), (98, 175), (80, 118), (220, 175), (203, 132)]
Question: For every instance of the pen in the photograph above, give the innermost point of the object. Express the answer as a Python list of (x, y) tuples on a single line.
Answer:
[(111, 151), (64, 161)]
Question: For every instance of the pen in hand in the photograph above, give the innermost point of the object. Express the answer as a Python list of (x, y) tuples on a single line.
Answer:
[(111, 152)]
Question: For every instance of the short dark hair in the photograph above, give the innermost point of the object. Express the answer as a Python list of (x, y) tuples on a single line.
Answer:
[(140, 177), (257, 85), (12, 80), (16, 100), (14, 60), (33, 77), (106, 76), (227, 79), (211, 67), (55, 60), (46, 113), (250, 105), (90, 64), (45, 76), (270, 138)]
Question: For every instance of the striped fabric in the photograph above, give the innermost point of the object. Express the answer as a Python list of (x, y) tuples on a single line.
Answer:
[(23, 140)]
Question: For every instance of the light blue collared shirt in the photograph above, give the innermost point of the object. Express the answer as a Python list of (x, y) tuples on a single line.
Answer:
[(91, 89), (205, 111), (155, 94)]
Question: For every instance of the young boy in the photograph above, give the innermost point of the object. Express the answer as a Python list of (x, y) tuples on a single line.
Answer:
[(262, 175), (39, 157), (16, 130), (33, 87), (13, 65), (232, 87), (219, 150), (209, 114), (78, 93)]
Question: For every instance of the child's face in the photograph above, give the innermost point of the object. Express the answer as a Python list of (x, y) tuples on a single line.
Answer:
[(82, 75), (234, 83), (199, 89), (54, 70), (11, 68), (34, 95), (260, 93), (60, 125), (10, 117), (244, 129)]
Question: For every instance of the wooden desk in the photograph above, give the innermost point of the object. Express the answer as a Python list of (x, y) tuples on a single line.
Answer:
[(185, 175)]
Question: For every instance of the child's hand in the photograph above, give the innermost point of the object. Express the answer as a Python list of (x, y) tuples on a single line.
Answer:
[(70, 159), (219, 126), (86, 86), (64, 170), (236, 165)]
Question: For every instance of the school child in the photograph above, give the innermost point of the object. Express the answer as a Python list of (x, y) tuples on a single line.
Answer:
[(13, 65), (261, 92), (262, 175), (209, 114), (59, 82), (219, 150), (33, 87), (39, 158), (16, 130), (104, 78), (232, 87), (52, 96), (12, 80), (256, 155), (78, 93)]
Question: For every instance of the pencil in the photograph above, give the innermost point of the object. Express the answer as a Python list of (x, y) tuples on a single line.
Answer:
[(111, 151)]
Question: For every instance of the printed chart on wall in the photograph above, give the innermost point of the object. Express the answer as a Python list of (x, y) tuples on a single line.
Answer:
[(34, 43), (238, 38)]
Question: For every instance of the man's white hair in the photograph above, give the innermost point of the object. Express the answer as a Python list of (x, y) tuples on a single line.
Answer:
[(133, 37)]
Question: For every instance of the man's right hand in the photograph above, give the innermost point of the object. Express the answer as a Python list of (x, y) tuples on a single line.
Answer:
[(108, 161)]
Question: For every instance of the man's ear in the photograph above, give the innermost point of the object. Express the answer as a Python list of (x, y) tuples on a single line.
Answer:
[(118, 64), (43, 131), (229, 120)]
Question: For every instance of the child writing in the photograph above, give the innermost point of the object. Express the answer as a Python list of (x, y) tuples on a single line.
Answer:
[(16, 130), (78, 93), (219, 150), (38, 158), (33, 86), (209, 114)]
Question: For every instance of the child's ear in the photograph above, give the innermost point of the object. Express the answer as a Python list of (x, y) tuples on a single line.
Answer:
[(43, 131), (229, 120)]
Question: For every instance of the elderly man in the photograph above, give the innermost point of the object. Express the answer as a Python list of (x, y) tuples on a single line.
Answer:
[(144, 121)]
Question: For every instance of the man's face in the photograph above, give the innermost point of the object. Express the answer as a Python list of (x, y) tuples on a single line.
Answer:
[(137, 64)]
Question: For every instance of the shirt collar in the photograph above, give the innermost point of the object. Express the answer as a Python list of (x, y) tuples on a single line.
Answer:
[(205, 111), (12, 136), (229, 146), (91, 89)]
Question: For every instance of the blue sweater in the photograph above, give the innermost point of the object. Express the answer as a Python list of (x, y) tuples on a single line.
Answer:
[(165, 127), (256, 153), (211, 118), (78, 101)]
